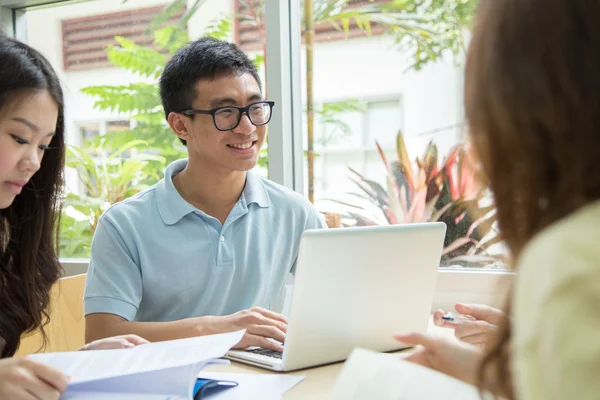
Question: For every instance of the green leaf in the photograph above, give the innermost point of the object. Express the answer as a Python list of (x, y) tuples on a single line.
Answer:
[(221, 28), (137, 59), (135, 97), (171, 38), (259, 60), (167, 12)]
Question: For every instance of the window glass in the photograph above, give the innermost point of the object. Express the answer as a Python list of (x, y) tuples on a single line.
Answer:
[(109, 54), (404, 63)]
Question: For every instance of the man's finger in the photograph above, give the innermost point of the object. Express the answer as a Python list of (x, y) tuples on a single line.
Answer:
[(134, 339), (482, 312), (266, 331), (272, 315), (263, 342), (264, 320), (113, 344)]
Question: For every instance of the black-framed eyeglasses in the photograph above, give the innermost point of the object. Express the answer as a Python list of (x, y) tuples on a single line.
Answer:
[(227, 118)]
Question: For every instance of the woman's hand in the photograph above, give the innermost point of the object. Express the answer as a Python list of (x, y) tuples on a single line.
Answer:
[(116, 342), (446, 355), (25, 379), (478, 328)]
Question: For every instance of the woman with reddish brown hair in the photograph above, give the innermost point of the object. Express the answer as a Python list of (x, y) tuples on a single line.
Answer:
[(532, 100)]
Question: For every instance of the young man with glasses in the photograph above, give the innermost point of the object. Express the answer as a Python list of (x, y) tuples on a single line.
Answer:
[(207, 249)]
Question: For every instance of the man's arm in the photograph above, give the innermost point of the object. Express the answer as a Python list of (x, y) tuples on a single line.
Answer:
[(100, 326), (259, 323), (114, 291)]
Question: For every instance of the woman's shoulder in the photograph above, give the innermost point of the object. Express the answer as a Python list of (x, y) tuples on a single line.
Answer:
[(573, 237), (567, 250)]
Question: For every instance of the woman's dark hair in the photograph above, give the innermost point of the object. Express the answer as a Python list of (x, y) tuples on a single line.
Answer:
[(29, 264), (532, 98)]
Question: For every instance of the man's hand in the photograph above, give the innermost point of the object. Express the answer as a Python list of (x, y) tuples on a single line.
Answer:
[(479, 329), (25, 379), (115, 342), (260, 324)]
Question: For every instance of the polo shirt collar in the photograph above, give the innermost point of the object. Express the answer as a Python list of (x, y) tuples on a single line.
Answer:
[(172, 207), (255, 190)]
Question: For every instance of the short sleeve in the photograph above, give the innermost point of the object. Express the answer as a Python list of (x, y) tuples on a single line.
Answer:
[(314, 220), (114, 280)]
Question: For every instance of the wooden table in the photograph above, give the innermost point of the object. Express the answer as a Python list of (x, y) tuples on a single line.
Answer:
[(318, 382)]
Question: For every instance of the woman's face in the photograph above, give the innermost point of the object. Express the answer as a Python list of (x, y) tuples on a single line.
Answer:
[(26, 129)]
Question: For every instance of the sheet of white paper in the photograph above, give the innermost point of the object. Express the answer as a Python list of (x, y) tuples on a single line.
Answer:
[(120, 396), (86, 366), (175, 381), (253, 386), (370, 375)]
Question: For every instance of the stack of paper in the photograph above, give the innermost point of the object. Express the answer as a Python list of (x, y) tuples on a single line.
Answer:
[(370, 375), (162, 370)]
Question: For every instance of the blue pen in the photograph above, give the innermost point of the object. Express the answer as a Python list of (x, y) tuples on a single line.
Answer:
[(451, 317)]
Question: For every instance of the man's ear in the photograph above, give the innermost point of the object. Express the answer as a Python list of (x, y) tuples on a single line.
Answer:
[(180, 125)]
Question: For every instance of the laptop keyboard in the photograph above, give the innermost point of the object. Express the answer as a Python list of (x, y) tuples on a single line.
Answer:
[(266, 352)]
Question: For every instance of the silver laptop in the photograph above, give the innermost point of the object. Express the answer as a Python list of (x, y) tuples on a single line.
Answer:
[(356, 287)]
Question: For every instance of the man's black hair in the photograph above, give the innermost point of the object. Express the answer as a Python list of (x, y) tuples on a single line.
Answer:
[(204, 58)]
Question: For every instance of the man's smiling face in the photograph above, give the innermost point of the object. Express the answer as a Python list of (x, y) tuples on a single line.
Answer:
[(236, 149)]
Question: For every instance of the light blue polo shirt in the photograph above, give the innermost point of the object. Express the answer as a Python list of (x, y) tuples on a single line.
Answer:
[(155, 257)]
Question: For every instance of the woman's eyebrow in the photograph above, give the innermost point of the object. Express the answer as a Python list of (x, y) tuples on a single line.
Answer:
[(29, 124)]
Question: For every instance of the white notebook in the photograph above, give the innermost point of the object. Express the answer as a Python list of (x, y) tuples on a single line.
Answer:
[(369, 375), (162, 370)]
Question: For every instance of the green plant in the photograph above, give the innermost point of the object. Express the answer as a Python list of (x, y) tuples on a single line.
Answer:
[(426, 29), (75, 235), (106, 179), (449, 193), (140, 101)]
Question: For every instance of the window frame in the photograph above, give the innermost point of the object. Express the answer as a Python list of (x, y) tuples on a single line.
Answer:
[(285, 143)]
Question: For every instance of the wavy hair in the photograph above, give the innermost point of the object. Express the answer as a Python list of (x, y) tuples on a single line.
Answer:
[(532, 98)]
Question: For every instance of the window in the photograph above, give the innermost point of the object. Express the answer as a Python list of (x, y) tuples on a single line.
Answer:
[(345, 140), (249, 23), (395, 83), (107, 54), (411, 106)]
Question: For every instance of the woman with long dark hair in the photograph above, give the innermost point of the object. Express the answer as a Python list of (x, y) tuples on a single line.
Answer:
[(532, 100), (32, 151)]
